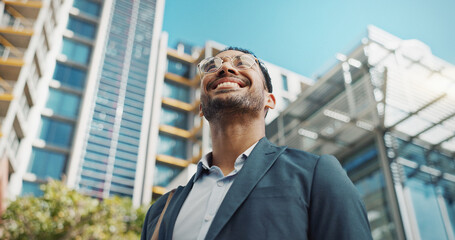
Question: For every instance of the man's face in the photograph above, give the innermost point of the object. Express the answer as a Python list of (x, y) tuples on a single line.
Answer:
[(230, 90)]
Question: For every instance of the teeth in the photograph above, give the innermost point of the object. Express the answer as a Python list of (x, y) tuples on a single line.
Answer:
[(228, 84)]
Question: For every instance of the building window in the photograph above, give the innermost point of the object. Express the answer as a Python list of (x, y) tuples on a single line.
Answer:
[(14, 141), (45, 163), (164, 174), (69, 76), (179, 68), (424, 196), (25, 106), (284, 81), (31, 188), (88, 7), (63, 103), (56, 132), (174, 118), (176, 91), (172, 146), (363, 169), (81, 27), (75, 51)]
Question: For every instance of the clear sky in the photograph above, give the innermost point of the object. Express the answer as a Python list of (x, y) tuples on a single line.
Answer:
[(304, 36)]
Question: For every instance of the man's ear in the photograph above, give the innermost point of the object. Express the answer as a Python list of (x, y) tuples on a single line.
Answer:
[(270, 100), (201, 114)]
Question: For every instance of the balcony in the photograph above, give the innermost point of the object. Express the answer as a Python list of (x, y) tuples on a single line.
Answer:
[(6, 89), (10, 61), (25, 8)]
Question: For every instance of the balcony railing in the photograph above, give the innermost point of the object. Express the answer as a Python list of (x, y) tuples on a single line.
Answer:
[(16, 23), (11, 52), (6, 86)]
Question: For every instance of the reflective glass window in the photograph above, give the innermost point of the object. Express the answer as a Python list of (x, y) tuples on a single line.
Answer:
[(411, 152), (363, 169), (174, 118), (69, 76), (179, 68), (45, 163), (81, 27), (176, 91), (172, 146), (76, 51), (31, 188), (164, 174), (425, 202), (56, 132), (63, 103), (88, 7)]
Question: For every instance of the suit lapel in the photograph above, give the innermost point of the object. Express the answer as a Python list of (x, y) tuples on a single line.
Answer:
[(258, 163), (166, 230)]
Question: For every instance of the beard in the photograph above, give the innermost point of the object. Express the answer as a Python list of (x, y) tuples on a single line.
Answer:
[(215, 109)]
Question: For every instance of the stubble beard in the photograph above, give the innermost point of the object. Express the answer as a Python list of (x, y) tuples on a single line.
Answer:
[(218, 108)]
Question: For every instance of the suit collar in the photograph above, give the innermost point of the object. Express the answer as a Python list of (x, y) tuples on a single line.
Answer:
[(258, 163)]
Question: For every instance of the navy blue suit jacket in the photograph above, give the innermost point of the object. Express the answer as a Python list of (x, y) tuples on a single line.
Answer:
[(280, 193)]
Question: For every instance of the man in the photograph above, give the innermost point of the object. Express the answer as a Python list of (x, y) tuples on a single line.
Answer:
[(248, 188)]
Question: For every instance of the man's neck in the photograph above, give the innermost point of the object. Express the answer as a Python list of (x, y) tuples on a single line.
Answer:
[(233, 137)]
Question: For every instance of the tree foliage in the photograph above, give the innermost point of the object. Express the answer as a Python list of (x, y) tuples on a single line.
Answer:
[(63, 213)]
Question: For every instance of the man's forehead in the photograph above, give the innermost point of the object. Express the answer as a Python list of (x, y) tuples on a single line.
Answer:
[(229, 53)]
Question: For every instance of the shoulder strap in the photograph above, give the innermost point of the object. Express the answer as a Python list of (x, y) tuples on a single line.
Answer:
[(158, 224)]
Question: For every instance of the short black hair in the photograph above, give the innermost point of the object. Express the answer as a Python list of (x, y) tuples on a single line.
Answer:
[(265, 72)]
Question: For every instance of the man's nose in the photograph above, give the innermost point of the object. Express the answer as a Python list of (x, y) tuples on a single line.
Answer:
[(226, 67)]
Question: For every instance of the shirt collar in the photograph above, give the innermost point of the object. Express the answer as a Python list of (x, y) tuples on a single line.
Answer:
[(204, 163)]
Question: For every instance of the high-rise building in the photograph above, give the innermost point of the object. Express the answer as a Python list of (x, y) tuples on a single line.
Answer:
[(387, 111), (28, 43), (109, 153), (75, 79), (179, 137)]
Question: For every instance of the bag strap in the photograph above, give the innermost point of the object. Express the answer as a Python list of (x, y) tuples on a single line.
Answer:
[(158, 224)]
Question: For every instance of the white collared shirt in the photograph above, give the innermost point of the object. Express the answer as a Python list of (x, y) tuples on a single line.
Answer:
[(209, 188)]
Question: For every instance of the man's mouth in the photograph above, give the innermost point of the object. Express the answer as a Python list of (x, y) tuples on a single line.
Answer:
[(227, 83)]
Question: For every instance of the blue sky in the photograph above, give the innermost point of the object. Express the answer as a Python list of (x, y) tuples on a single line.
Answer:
[(304, 36)]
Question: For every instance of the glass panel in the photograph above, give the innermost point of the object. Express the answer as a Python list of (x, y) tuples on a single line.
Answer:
[(179, 68), (164, 174), (69, 76), (176, 91), (411, 152), (88, 7), (172, 146), (63, 103), (363, 169), (426, 208), (448, 192), (75, 51), (174, 118), (81, 27), (56, 133), (31, 188), (45, 163)]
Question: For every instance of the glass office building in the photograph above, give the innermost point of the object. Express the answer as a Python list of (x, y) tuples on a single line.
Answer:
[(110, 151), (386, 111)]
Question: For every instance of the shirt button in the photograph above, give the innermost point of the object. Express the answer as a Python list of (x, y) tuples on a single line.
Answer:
[(220, 183), (207, 218)]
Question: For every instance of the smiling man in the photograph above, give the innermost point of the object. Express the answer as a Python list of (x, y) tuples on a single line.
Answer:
[(248, 188)]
